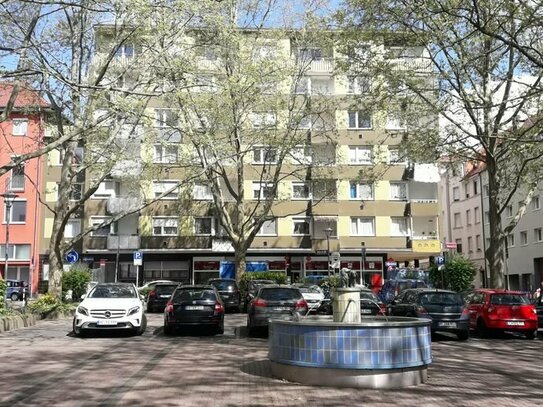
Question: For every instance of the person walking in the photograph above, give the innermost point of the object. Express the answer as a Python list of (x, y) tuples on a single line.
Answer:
[(538, 294)]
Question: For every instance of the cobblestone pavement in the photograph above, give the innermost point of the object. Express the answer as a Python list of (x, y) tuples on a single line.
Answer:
[(45, 365)]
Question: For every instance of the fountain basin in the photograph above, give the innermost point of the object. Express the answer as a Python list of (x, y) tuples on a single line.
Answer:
[(378, 352)]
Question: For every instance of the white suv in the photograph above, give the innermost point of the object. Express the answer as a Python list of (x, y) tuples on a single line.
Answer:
[(110, 306)]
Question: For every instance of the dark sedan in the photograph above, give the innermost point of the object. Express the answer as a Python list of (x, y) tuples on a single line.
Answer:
[(370, 303), (274, 301), (446, 309), (158, 297), (252, 289), (194, 306), (229, 292)]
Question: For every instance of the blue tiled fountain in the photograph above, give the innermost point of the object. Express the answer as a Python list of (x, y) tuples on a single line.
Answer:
[(376, 352)]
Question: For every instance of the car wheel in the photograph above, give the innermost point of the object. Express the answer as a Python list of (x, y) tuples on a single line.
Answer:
[(14, 297), (143, 325), (463, 335), (482, 330), (220, 329), (531, 334), (250, 328), (77, 331), (168, 329)]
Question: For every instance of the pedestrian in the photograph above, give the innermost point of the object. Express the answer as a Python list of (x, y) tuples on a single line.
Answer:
[(538, 294)]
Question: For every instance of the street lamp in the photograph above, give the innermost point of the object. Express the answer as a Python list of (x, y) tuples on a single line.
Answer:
[(9, 197), (328, 232)]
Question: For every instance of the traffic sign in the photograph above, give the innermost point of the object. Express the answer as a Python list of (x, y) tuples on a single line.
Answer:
[(72, 256), (138, 258), (440, 260), (391, 263)]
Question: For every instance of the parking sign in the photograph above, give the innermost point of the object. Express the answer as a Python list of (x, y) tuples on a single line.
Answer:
[(138, 258)]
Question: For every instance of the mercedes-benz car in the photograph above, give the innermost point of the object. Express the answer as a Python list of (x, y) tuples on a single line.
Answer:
[(110, 306)]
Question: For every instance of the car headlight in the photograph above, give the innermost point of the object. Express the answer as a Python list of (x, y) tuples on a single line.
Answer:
[(134, 310), (83, 311)]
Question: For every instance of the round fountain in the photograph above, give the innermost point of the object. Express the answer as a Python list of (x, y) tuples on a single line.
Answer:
[(349, 350)]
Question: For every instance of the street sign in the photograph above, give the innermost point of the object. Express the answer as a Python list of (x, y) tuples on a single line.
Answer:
[(72, 256), (138, 258), (450, 245), (440, 260), (391, 263)]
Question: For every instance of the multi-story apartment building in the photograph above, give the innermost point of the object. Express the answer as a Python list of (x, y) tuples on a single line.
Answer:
[(21, 133), (391, 218)]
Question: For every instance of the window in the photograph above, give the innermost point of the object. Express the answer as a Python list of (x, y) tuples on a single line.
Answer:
[(478, 243), (301, 155), (394, 123), (466, 190), (362, 226), (363, 191), (166, 118), (477, 215), (360, 155), (538, 235), (456, 194), (103, 231), (264, 155), (20, 127), (300, 226), (358, 85), (17, 178), (202, 192), (204, 83), (487, 240), (535, 203), (262, 52), (470, 244), (359, 120), (486, 190), (510, 240), (262, 190), (509, 211), (17, 212), (524, 238), (398, 191), (107, 189), (475, 187), (161, 187), (458, 246), (76, 192), (301, 85), (300, 190), (15, 251), (268, 228), (487, 217), (165, 154), (77, 157), (204, 226), (261, 120), (457, 220), (468, 217), (125, 51), (72, 228), (310, 54), (324, 189), (395, 156), (165, 226), (399, 226)]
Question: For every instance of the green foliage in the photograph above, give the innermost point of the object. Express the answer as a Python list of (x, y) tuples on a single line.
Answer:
[(458, 274), (331, 282), (77, 280), (3, 288), (48, 303), (144, 291), (278, 277)]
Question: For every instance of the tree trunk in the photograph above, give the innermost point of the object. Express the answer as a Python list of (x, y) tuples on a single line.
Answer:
[(55, 271), (241, 265), (495, 253)]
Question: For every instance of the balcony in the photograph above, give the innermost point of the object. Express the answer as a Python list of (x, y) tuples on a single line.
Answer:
[(425, 244), (324, 65), (123, 242), (116, 205), (422, 207)]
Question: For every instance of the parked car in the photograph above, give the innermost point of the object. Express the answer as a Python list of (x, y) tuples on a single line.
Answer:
[(446, 309), (151, 284), (15, 289), (539, 310), (252, 289), (110, 306), (392, 288), (313, 295), (501, 310), (370, 303), (194, 306), (157, 298), (274, 301), (229, 292)]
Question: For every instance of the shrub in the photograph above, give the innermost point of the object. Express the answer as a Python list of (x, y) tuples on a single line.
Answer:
[(3, 289), (76, 280), (457, 275), (278, 277), (48, 303)]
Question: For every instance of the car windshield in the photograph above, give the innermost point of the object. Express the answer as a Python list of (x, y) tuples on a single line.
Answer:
[(165, 289), (365, 295), (194, 294), (113, 291), (310, 290), (441, 298), (224, 285), (280, 294), (509, 299)]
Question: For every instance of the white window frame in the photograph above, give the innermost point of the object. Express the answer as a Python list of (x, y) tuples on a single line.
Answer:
[(202, 192), (262, 52), (262, 120), (301, 184), (159, 187), (395, 157), (399, 232), (74, 223), (161, 118), (107, 189), (10, 212), (162, 156), (397, 198), (14, 186), (524, 238), (478, 243), (359, 222), (97, 220), (15, 248), (476, 215), (358, 155), (457, 218), (211, 219), (356, 85), (509, 211), (19, 127), (393, 122), (356, 115), (162, 222), (72, 191), (536, 203), (299, 220), (260, 187), (358, 186), (261, 155), (302, 155), (468, 217), (538, 235), (122, 51), (511, 240), (272, 221), (456, 194)]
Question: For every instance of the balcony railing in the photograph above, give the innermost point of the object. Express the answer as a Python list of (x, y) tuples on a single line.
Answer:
[(128, 242), (123, 204)]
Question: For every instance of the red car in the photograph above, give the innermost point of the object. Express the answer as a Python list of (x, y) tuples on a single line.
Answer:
[(501, 310)]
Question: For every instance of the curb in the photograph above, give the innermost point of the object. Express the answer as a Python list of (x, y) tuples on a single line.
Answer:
[(9, 323)]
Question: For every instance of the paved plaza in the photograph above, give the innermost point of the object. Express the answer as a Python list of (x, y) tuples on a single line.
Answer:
[(45, 365)]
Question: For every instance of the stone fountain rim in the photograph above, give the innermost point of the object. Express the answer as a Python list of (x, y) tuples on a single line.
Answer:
[(366, 322)]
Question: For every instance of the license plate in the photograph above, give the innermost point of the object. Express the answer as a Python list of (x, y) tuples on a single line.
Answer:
[(194, 307), (281, 308), (447, 324), (165, 296), (106, 322), (365, 311), (515, 323)]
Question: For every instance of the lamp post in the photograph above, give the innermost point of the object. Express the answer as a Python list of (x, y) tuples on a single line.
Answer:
[(328, 232), (9, 197)]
